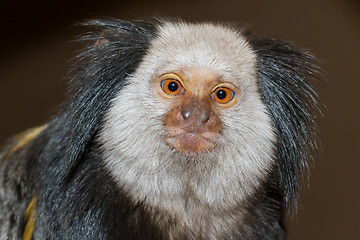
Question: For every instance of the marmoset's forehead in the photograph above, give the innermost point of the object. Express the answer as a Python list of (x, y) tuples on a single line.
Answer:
[(220, 49)]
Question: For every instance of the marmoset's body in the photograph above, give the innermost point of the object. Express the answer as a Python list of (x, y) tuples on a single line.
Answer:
[(171, 131)]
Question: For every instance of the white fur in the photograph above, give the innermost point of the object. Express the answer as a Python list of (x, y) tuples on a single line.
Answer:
[(193, 190)]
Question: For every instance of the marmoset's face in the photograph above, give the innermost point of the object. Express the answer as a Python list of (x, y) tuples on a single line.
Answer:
[(195, 93), (193, 99)]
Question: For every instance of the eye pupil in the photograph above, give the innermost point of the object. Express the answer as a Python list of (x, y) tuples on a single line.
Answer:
[(173, 86), (221, 94)]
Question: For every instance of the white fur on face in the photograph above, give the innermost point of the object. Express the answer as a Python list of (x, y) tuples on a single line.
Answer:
[(133, 134)]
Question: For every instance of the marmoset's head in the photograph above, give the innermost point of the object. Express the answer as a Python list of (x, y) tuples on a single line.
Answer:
[(192, 108), (201, 104)]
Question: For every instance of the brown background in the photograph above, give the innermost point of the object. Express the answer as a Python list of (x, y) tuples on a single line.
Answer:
[(35, 45)]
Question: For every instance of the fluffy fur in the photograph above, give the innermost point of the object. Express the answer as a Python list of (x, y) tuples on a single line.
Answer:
[(101, 168)]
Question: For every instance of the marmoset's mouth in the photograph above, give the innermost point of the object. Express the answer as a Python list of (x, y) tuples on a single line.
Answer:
[(191, 143)]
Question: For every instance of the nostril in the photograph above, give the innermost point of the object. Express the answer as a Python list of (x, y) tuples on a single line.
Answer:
[(204, 115), (185, 113)]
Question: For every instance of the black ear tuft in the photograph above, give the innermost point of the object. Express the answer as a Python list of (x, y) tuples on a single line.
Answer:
[(115, 50), (286, 76), (113, 30)]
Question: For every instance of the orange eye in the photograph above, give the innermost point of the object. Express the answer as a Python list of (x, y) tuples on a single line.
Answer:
[(171, 86), (223, 95)]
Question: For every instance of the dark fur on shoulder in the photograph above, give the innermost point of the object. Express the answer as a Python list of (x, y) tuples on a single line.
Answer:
[(114, 53)]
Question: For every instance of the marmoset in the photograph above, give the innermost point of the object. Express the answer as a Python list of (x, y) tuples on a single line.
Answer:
[(171, 130)]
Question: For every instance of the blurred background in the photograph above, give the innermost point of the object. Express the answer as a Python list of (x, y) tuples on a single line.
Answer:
[(36, 46)]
